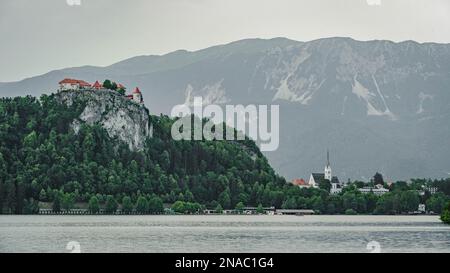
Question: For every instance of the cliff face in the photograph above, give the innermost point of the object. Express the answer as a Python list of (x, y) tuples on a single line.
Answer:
[(122, 118)]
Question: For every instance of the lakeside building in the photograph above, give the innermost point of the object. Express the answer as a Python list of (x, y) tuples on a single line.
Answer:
[(294, 212), (377, 190), (315, 178)]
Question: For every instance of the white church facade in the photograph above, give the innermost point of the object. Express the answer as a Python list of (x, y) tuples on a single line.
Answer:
[(315, 178)]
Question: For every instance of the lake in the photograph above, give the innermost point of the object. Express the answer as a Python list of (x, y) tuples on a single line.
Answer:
[(222, 233)]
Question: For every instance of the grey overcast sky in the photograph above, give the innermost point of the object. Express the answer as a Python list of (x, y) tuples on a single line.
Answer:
[(39, 36)]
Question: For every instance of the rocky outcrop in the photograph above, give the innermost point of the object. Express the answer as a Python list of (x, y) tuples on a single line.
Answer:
[(123, 119)]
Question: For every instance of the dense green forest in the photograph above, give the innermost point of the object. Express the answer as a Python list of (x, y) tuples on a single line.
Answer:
[(42, 160)]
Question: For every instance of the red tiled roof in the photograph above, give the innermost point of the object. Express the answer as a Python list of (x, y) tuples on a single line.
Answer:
[(137, 91), (299, 182), (97, 85), (74, 81), (120, 86)]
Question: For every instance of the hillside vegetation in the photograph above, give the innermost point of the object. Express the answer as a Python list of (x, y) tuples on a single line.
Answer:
[(42, 158)]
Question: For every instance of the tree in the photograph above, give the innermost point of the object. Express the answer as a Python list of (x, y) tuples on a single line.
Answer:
[(121, 91), (192, 207), (325, 184), (219, 209), (350, 201), (31, 206), (409, 201), (224, 199), (239, 207), (2, 194), (260, 209), (142, 205), (290, 203), (127, 205), (57, 203), (107, 84), (436, 203), (94, 206), (318, 204), (179, 207), (378, 179), (445, 216), (350, 212), (111, 204), (67, 201), (156, 205)]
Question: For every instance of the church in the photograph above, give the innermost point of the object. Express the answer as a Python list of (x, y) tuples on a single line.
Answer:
[(315, 178)]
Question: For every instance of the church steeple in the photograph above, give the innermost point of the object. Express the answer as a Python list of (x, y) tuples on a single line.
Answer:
[(327, 171), (328, 158)]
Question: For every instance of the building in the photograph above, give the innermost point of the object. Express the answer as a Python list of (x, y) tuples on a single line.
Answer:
[(422, 208), (294, 212), (315, 178), (97, 85), (377, 190), (136, 96), (254, 210), (336, 186), (73, 84), (431, 190), (327, 171), (301, 183)]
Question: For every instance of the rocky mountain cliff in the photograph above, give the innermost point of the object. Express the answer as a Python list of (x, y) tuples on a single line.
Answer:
[(377, 105), (122, 118)]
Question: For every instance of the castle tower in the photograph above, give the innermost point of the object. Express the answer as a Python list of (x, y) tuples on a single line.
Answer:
[(137, 95), (327, 170)]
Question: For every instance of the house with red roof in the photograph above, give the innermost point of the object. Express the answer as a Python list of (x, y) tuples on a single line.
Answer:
[(73, 84), (300, 182), (97, 85)]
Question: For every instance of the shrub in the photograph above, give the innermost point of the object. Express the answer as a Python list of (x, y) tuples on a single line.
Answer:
[(350, 212)]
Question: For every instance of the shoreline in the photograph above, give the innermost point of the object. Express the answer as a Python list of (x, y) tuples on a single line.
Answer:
[(228, 215)]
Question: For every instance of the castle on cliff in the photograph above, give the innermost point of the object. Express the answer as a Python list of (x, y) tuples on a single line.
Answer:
[(74, 84)]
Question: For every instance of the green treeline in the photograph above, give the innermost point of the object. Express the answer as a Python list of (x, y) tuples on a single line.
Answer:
[(402, 198), (42, 160)]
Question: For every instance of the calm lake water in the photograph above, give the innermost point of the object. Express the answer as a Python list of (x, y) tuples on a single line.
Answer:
[(223, 233)]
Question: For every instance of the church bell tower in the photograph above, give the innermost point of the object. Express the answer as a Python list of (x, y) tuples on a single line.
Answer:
[(327, 170)]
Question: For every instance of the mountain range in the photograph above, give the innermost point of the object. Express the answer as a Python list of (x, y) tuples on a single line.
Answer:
[(376, 105)]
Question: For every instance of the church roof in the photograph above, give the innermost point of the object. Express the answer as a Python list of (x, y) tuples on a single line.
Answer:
[(334, 179), (318, 176)]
